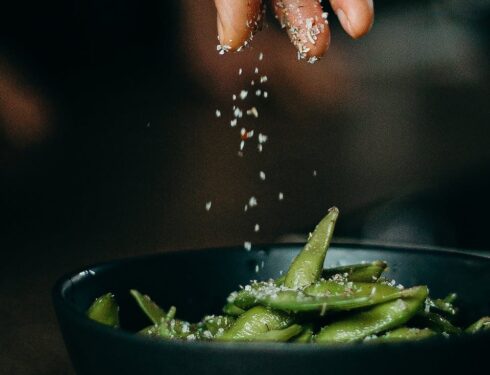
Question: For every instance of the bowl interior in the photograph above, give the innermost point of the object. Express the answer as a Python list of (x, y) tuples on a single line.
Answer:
[(198, 282)]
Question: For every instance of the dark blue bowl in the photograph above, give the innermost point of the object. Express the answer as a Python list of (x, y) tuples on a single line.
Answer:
[(197, 282)]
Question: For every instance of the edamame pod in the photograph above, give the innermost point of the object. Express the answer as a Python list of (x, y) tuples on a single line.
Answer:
[(279, 335), (444, 305), (307, 266), (482, 324), (217, 324), (105, 310), (232, 309), (438, 323), (255, 321), (305, 336), (377, 319), (362, 272), (322, 297), (406, 334), (154, 312)]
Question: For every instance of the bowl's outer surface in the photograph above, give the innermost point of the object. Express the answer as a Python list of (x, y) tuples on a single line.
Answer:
[(197, 282)]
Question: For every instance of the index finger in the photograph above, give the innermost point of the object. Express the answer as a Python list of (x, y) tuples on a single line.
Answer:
[(237, 22)]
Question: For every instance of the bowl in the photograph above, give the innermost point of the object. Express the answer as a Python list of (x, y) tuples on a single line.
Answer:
[(198, 281)]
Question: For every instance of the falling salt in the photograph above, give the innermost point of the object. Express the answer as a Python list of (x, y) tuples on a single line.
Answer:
[(233, 122), (261, 56), (240, 71), (218, 113), (247, 245), (243, 94), (266, 94), (263, 79), (262, 175), (258, 92), (280, 196), (252, 202), (256, 268), (253, 112), (314, 173), (262, 138), (208, 206), (256, 227)]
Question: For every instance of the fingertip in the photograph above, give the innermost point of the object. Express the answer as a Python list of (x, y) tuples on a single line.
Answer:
[(306, 25), (237, 23), (321, 45), (355, 16)]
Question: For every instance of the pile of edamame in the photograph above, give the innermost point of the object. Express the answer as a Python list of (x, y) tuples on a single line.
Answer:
[(309, 304)]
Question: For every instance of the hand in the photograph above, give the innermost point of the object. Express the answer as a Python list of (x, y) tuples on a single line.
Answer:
[(304, 21)]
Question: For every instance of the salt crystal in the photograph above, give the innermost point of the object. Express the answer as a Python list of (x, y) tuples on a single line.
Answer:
[(243, 94), (281, 196), (263, 79), (262, 138), (265, 94), (247, 245), (233, 122), (256, 70), (240, 71), (261, 56), (208, 206), (256, 228), (242, 145), (218, 113), (252, 202), (314, 173), (258, 92), (262, 175), (253, 112), (233, 97), (256, 268)]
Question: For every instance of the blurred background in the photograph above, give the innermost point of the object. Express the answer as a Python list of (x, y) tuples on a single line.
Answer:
[(110, 147)]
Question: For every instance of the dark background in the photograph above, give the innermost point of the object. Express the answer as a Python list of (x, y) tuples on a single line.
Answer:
[(109, 146)]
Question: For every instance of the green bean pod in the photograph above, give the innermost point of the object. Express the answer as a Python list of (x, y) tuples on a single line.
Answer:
[(377, 319), (105, 310), (307, 267)]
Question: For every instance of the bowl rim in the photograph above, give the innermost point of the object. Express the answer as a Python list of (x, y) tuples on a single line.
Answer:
[(66, 280)]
